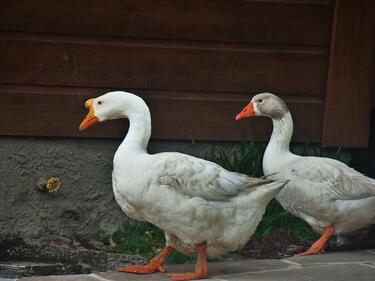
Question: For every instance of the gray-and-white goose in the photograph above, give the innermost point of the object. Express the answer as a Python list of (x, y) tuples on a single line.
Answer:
[(330, 196)]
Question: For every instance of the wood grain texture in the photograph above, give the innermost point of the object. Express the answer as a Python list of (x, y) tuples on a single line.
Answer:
[(277, 22), (56, 111), (347, 104), (195, 62), (62, 61)]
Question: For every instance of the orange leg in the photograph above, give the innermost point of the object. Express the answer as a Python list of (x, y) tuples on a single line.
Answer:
[(319, 245), (200, 267), (155, 264)]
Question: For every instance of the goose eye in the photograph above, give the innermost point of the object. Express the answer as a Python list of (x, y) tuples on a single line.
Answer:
[(100, 102), (260, 101)]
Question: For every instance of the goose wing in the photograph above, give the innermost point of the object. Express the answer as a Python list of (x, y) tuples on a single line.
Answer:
[(196, 177), (330, 178)]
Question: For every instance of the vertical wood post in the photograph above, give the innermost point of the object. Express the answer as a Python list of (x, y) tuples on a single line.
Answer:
[(348, 96)]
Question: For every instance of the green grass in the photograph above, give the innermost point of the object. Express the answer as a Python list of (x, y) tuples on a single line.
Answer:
[(147, 240), (140, 238)]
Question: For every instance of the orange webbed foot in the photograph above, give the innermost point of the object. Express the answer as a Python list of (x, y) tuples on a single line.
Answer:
[(143, 269), (156, 264), (311, 252), (200, 268), (319, 245)]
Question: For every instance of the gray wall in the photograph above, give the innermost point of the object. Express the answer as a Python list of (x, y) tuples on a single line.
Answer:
[(85, 204)]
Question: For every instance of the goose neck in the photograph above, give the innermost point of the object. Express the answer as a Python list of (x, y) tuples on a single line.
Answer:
[(281, 134), (139, 132)]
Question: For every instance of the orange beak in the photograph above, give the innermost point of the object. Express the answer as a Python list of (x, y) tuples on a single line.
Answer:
[(90, 118), (246, 112)]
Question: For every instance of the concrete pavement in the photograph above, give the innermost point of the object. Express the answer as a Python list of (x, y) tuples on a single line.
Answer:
[(338, 266)]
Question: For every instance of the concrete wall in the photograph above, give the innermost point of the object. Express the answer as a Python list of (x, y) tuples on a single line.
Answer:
[(85, 204)]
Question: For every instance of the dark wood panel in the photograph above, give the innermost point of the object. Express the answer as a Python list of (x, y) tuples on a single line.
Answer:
[(292, 22), (50, 111), (56, 60), (348, 97)]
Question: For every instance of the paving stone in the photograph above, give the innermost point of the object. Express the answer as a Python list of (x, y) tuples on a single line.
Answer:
[(77, 277), (347, 272), (218, 268), (121, 276), (339, 266), (247, 266), (336, 257)]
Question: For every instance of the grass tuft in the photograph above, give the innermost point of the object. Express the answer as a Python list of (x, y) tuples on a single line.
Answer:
[(142, 239)]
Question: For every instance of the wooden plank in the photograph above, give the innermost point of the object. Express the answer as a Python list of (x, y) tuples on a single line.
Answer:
[(57, 111), (287, 22), (347, 105), (62, 61)]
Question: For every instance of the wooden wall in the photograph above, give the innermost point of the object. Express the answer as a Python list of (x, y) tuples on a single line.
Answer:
[(351, 75), (197, 63)]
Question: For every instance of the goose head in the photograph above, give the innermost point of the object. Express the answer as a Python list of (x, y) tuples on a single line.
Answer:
[(264, 104), (112, 105)]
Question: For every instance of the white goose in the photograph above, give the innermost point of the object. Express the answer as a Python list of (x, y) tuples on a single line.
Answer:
[(202, 207), (331, 197)]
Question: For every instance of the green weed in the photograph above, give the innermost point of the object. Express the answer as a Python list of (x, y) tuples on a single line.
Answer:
[(140, 238)]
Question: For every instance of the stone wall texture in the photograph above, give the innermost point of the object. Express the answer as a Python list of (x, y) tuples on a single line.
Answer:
[(84, 206)]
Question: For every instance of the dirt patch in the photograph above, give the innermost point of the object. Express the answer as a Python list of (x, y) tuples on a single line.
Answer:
[(63, 256)]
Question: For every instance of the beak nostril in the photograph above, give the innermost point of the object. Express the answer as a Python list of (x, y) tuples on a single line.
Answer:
[(88, 103)]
